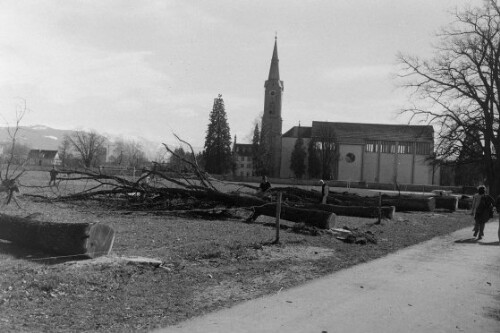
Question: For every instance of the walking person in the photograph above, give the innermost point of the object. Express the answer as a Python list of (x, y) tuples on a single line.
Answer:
[(482, 208), (264, 187), (53, 176)]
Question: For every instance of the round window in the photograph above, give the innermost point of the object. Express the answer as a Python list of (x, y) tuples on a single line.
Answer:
[(350, 157)]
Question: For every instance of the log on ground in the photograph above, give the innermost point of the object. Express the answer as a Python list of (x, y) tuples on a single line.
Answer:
[(422, 204), (447, 202), (65, 239), (358, 211), (315, 218), (465, 202)]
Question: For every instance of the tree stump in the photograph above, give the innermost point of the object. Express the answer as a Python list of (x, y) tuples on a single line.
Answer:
[(65, 239)]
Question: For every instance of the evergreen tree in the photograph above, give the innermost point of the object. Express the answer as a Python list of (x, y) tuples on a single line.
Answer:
[(256, 152), (313, 161), (297, 161), (217, 153)]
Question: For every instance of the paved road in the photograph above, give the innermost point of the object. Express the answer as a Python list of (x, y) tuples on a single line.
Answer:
[(438, 286)]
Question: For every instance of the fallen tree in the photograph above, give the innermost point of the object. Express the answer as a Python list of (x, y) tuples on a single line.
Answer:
[(65, 239), (387, 212), (313, 218), (446, 202)]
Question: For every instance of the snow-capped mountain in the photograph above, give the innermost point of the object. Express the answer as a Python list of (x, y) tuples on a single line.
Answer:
[(47, 138)]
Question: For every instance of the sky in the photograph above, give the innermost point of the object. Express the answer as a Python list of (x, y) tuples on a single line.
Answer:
[(152, 68)]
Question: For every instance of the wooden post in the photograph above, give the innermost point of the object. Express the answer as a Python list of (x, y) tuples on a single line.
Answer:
[(324, 199), (379, 207), (278, 213)]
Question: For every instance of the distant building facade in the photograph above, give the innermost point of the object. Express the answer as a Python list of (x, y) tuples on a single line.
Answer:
[(376, 153), (242, 153), (43, 157)]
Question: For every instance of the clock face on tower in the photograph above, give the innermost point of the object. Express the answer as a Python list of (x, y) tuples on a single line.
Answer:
[(272, 93)]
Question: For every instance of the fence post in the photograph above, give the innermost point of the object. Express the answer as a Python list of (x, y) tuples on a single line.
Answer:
[(379, 207), (278, 213)]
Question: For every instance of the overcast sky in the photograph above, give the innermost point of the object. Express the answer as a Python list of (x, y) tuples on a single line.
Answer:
[(151, 68)]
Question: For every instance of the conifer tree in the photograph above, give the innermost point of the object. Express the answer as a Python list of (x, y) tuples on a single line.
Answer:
[(256, 152), (217, 152), (297, 161)]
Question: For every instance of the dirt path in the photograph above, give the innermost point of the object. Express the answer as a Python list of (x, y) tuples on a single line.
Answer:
[(438, 286)]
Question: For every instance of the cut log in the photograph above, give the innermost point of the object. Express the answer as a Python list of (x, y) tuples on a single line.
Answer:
[(314, 218), (416, 204), (358, 211), (65, 239), (465, 202), (447, 202)]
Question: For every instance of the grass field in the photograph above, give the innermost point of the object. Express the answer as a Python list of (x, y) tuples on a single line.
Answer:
[(208, 264)]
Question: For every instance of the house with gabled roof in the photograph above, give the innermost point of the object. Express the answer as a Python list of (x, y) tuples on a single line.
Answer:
[(242, 153), (43, 157)]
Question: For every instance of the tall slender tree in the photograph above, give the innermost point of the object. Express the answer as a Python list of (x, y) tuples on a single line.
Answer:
[(313, 162), (256, 152), (217, 152), (297, 160)]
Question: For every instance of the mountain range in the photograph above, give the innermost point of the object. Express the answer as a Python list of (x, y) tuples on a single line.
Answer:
[(47, 138)]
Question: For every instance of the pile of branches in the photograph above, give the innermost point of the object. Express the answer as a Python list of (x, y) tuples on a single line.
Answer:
[(195, 192)]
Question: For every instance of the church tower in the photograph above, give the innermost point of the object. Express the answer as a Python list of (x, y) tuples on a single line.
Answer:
[(271, 119)]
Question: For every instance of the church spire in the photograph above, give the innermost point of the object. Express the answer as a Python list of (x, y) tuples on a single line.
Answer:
[(274, 71)]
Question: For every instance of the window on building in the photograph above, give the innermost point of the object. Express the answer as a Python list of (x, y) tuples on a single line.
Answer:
[(371, 146), (242, 165), (423, 148), (388, 147), (405, 148)]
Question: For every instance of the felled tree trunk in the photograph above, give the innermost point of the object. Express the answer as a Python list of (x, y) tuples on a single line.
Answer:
[(66, 239), (422, 204), (358, 211), (450, 202), (465, 202), (315, 218)]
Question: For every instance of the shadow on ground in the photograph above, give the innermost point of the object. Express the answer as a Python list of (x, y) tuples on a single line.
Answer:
[(490, 243), (467, 241), (24, 253)]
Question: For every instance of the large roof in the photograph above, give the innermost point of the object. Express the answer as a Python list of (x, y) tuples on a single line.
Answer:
[(243, 149), (305, 132), (359, 133), (38, 153)]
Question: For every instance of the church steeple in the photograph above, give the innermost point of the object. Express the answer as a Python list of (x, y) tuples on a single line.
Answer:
[(274, 71), (271, 119)]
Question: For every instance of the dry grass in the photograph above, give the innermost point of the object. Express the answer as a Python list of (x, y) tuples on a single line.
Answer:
[(208, 265)]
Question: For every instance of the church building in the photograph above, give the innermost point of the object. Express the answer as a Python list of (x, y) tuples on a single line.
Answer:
[(377, 153)]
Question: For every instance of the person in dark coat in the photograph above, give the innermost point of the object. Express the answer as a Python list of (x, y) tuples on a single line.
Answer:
[(264, 187), (482, 209), (53, 176)]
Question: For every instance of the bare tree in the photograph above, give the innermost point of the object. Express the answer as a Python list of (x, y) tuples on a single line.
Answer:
[(129, 153), (65, 151), (458, 89), (89, 145), (326, 148)]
